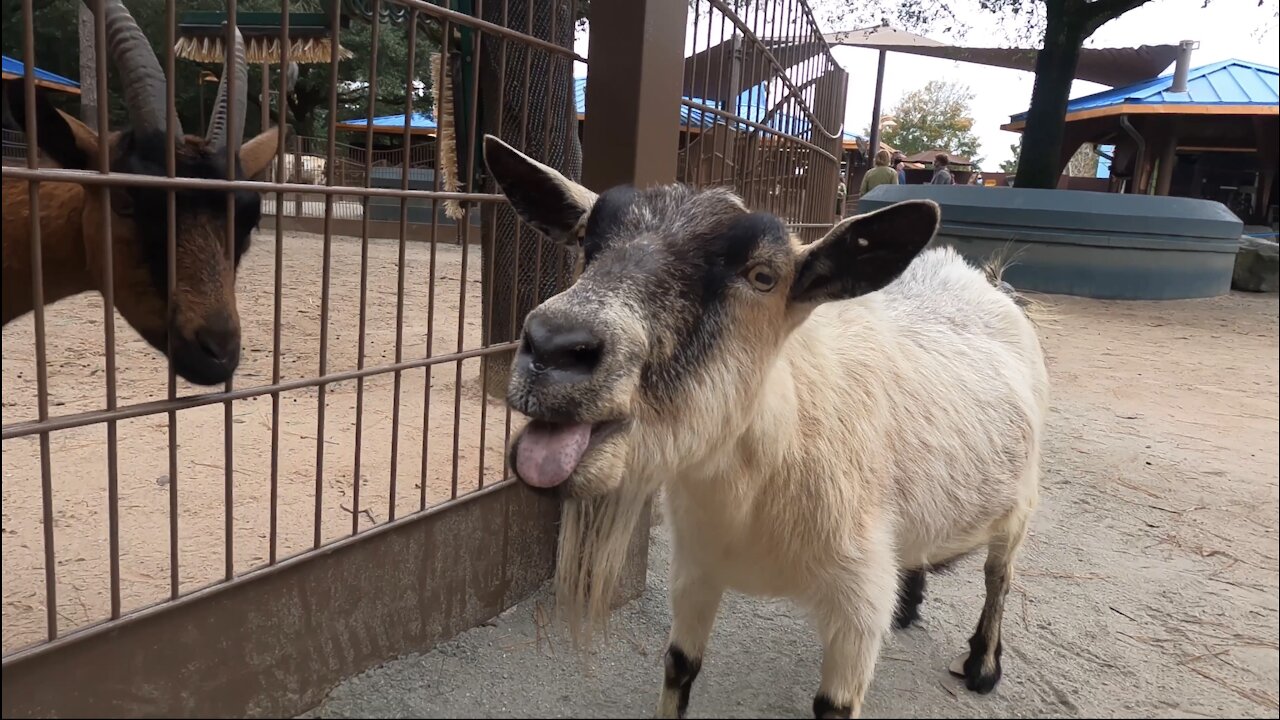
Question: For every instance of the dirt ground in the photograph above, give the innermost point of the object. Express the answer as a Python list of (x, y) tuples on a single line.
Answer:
[(77, 373), (1148, 587)]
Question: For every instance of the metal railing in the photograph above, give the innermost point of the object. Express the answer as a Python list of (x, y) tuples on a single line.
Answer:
[(763, 109), (375, 336), (358, 400)]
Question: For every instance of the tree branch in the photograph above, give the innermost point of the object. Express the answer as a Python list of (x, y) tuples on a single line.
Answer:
[(1099, 12)]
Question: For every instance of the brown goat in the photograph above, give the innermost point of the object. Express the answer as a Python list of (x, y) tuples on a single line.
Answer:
[(203, 323)]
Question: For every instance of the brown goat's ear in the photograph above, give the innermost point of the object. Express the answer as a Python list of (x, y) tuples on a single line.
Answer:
[(864, 253), (66, 140), (547, 200), (256, 154)]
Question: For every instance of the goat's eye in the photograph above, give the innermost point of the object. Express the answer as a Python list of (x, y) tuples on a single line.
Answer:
[(761, 278)]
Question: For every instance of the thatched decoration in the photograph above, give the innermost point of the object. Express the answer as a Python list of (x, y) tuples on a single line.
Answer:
[(259, 50), (442, 85)]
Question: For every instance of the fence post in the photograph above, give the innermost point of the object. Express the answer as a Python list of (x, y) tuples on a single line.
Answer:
[(632, 132)]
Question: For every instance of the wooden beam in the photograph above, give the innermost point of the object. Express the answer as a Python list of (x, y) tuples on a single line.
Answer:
[(1144, 109)]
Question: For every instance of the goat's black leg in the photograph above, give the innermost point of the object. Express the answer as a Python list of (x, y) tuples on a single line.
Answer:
[(910, 595), (693, 612), (981, 669)]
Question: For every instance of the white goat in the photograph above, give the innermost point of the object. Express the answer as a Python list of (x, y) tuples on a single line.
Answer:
[(306, 169), (827, 421)]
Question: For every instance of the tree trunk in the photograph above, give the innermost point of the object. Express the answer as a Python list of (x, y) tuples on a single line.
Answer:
[(88, 70), (1039, 162)]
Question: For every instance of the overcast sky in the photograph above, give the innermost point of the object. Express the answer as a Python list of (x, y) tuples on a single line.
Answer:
[(1226, 29)]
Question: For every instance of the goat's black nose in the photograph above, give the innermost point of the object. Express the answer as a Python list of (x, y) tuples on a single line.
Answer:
[(569, 349), (219, 341)]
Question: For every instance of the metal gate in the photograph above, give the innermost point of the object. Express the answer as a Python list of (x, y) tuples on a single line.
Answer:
[(236, 551), (763, 109)]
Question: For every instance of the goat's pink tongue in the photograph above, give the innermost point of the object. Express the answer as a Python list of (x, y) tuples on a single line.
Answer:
[(548, 453)]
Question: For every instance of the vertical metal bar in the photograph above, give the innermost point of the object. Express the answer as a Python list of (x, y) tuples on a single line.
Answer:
[(730, 103), (375, 25), (464, 225), (37, 306), (264, 117), (410, 73), (758, 63), (171, 261), (228, 418), (334, 20), (735, 91), (446, 29), (686, 127), (502, 83), (108, 310), (488, 283), (524, 140), (708, 98), (282, 104)]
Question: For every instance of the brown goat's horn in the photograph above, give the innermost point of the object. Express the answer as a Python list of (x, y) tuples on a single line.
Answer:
[(223, 128), (141, 76)]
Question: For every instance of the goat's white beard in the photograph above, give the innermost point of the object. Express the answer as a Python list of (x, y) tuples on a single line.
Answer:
[(595, 535)]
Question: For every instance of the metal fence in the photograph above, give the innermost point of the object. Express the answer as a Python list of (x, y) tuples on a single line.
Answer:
[(763, 109), (353, 471), (15, 147)]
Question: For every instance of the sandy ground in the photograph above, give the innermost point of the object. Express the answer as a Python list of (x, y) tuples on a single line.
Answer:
[(79, 456), (1147, 588)]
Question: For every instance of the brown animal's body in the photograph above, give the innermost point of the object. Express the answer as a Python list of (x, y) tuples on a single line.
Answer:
[(67, 267), (202, 328), (827, 421)]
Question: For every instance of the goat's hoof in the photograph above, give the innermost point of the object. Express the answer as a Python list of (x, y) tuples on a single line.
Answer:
[(978, 676), (904, 618)]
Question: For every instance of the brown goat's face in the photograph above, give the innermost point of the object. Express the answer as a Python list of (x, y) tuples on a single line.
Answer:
[(661, 347), (202, 325)]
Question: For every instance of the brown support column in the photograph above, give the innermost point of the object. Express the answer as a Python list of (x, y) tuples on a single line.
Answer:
[(1265, 130), (631, 135), (873, 144), (266, 98), (1168, 157), (633, 93)]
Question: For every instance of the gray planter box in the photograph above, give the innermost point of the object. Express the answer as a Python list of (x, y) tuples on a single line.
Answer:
[(1091, 244), (419, 210)]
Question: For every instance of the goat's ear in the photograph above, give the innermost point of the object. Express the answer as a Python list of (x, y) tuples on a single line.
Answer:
[(256, 154), (864, 253), (547, 200), (66, 140)]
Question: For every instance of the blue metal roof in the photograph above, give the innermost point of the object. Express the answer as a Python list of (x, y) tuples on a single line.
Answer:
[(751, 106), (420, 121), (1230, 82), (15, 67)]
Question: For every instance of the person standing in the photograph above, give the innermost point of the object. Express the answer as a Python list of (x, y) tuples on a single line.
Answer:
[(879, 175), (941, 175), (900, 164)]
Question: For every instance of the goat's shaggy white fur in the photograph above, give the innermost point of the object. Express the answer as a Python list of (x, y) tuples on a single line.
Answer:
[(895, 432), (822, 449)]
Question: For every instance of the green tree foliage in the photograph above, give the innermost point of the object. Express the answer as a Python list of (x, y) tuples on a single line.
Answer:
[(937, 116), (56, 50), (1010, 166)]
